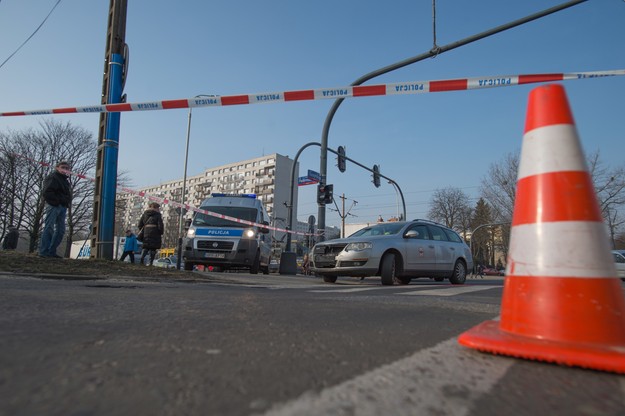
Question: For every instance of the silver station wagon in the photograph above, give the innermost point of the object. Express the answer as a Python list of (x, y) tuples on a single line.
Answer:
[(397, 252)]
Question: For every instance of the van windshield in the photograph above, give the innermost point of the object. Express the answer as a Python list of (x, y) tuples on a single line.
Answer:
[(247, 214)]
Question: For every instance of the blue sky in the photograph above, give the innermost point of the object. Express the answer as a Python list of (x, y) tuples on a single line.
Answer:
[(424, 142)]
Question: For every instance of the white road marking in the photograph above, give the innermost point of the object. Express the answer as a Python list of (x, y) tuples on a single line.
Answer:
[(450, 291), (352, 289), (442, 290), (443, 380)]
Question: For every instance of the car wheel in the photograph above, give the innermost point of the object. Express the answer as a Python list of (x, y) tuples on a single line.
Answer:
[(387, 271), (329, 279), (188, 266), (256, 265), (459, 274)]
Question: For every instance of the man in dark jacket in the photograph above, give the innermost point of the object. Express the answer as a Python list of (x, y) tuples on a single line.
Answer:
[(11, 239), (58, 196), (151, 226)]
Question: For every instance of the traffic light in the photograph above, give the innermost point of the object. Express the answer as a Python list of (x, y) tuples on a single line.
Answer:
[(376, 176), (324, 194), (341, 158)]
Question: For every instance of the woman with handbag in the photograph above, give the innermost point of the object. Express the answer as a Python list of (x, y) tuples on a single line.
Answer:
[(151, 225)]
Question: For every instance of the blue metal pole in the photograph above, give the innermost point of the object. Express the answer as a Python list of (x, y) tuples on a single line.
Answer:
[(110, 155)]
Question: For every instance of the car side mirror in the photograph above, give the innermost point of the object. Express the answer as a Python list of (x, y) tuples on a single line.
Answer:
[(263, 229), (411, 234)]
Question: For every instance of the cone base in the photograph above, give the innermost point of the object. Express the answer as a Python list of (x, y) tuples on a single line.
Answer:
[(488, 337)]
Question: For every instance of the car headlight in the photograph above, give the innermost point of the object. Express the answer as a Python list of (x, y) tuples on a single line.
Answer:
[(357, 246), (191, 233), (249, 233)]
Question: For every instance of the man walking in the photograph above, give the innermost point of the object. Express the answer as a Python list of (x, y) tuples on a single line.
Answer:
[(58, 196)]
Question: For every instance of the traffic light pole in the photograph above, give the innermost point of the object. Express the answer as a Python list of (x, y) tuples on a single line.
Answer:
[(289, 204), (435, 51)]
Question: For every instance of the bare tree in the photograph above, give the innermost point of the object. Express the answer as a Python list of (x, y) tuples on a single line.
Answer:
[(499, 186), (23, 179), (30, 152), (610, 188), (450, 206)]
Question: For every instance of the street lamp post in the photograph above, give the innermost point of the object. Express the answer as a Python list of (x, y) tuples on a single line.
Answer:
[(399, 217), (184, 186)]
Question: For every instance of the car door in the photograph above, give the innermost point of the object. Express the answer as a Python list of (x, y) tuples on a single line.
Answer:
[(445, 249), (420, 253)]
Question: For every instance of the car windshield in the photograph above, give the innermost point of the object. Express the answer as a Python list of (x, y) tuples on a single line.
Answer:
[(388, 228), (247, 214)]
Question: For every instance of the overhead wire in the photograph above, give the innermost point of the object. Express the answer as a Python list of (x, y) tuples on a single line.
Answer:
[(30, 37)]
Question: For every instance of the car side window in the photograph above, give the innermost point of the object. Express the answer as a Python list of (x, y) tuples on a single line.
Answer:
[(437, 233), (452, 236), (418, 232)]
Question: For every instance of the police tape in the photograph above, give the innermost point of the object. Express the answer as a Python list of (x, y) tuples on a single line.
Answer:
[(165, 201), (401, 88)]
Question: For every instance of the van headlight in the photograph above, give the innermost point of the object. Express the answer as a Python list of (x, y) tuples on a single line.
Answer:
[(249, 233), (191, 233), (358, 246)]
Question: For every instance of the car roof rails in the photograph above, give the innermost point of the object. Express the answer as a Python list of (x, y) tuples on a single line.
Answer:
[(431, 222)]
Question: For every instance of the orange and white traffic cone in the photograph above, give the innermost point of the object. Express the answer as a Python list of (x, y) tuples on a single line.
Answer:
[(562, 299)]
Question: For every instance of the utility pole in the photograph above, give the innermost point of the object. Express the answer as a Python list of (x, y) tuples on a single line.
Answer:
[(343, 214), (103, 233)]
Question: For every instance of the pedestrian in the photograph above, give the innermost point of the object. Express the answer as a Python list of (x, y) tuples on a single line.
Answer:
[(11, 238), (151, 225), (130, 246), (57, 194), (306, 265), (480, 271)]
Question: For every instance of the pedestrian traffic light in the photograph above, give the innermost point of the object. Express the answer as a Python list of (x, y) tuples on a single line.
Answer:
[(341, 158), (376, 176), (329, 194), (324, 194), (321, 194)]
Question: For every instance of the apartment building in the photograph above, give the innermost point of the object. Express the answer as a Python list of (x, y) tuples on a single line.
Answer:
[(269, 177)]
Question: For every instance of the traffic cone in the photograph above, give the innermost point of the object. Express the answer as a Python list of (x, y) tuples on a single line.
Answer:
[(562, 299)]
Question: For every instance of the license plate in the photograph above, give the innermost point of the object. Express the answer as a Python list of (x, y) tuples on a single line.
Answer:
[(215, 255)]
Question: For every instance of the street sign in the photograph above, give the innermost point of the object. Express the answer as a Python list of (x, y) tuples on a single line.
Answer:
[(315, 176), (305, 180)]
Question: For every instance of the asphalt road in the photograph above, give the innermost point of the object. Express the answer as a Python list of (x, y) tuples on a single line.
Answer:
[(228, 344)]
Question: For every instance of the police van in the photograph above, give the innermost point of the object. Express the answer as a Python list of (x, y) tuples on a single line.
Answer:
[(225, 243)]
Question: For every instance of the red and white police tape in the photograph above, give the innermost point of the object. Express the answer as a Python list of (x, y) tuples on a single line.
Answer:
[(166, 201), (401, 88)]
